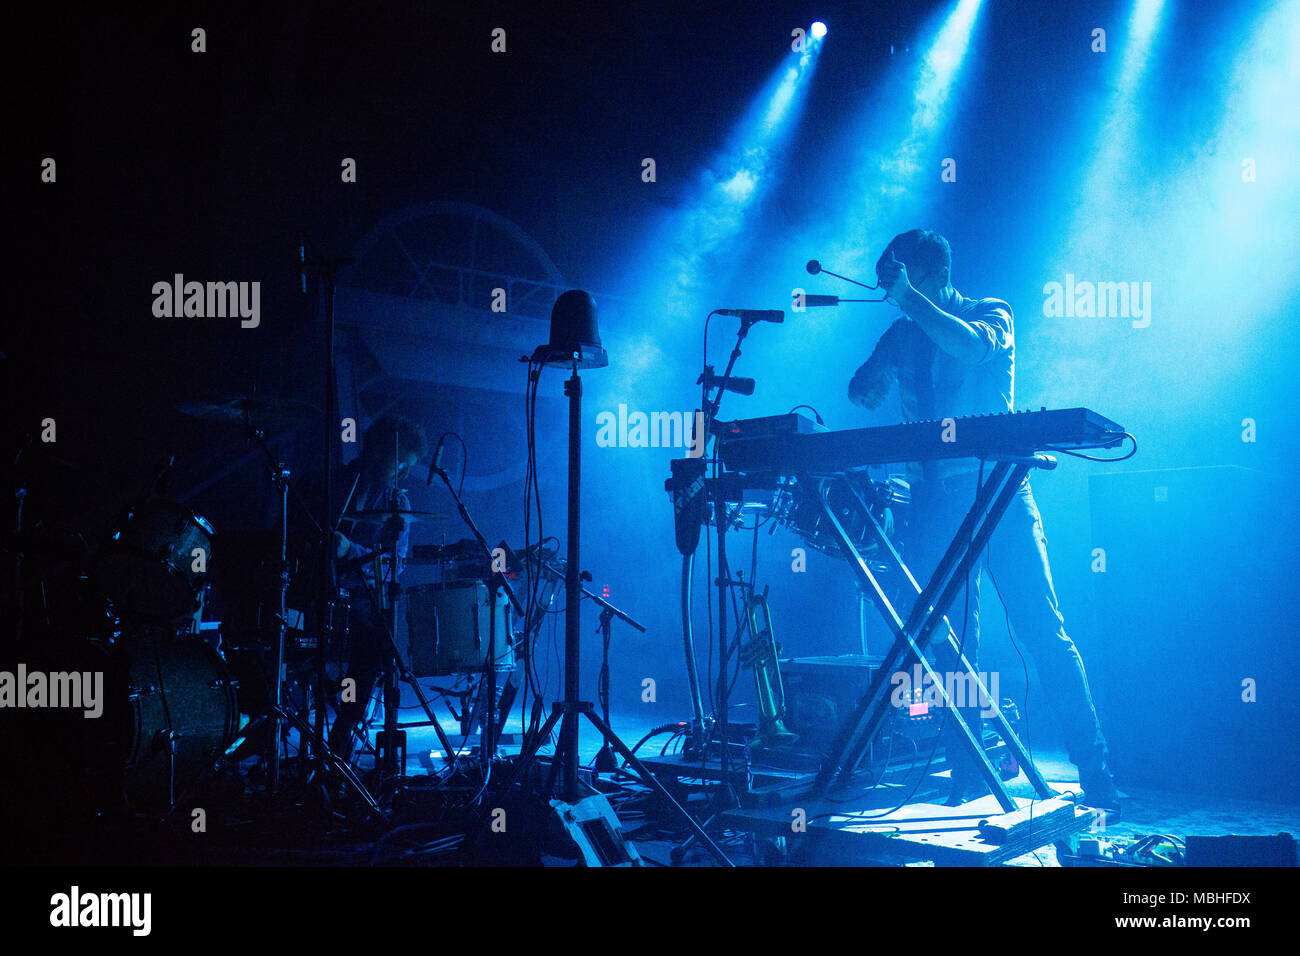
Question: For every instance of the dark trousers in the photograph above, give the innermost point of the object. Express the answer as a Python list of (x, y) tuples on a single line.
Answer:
[(1015, 560), (367, 654)]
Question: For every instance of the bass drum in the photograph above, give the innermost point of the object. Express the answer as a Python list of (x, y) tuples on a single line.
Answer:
[(185, 715)]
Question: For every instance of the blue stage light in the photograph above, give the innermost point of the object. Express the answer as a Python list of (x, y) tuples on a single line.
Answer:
[(818, 30)]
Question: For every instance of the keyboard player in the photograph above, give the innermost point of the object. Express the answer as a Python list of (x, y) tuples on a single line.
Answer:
[(953, 356)]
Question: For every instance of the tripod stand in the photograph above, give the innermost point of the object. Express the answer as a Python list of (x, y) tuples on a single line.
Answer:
[(567, 712), (605, 762)]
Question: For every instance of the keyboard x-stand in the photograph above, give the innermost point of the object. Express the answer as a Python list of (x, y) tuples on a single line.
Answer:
[(1014, 444)]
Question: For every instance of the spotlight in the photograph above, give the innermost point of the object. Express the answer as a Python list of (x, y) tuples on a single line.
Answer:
[(575, 339), (818, 30)]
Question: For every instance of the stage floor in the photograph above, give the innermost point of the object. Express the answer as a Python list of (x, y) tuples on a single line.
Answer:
[(239, 834)]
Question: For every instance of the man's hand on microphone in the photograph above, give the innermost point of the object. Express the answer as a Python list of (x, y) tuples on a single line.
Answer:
[(893, 276)]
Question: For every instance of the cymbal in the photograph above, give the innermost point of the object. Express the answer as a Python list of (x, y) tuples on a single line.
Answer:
[(466, 549), (260, 412), (378, 513)]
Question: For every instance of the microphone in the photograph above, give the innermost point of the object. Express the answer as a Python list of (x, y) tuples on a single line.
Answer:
[(814, 267), (819, 301), (436, 467), (755, 315), (728, 383)]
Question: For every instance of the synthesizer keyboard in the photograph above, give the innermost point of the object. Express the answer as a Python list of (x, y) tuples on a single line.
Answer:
[(977, 436)]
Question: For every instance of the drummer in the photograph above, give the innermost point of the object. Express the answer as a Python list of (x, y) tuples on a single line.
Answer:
[(389, 449), (372, 482)]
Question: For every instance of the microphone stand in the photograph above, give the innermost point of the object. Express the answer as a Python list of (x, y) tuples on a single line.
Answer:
[(710, 408), (605, 759)]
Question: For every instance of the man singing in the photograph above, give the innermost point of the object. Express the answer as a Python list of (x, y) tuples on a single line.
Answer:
[(953, 356)]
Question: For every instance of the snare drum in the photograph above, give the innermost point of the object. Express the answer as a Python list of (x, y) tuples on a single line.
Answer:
[(449, 628), (156, 562)]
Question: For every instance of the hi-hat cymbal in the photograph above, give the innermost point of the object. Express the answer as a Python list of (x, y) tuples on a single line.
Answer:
[(258, 411)]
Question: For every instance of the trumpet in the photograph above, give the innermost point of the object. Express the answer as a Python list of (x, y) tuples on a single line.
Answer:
[(759, 654)]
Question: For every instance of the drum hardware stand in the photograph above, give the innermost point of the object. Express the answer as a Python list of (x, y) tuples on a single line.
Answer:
[(332, 762), (171, 734), (390, 745), (280, 481), (313, 742), (391, 742), (584, 352), (497, 582), (928, 614), (326, 269), (378, 594)]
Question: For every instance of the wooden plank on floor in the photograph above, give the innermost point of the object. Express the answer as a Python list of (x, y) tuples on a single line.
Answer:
[(974, 834)]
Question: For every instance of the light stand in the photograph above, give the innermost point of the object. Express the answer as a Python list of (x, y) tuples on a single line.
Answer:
[(575, 344)]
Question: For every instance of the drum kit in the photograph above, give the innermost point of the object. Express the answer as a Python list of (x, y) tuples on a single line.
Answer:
[(795, 507), (188, 622), (798, 509), (129, 609)]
